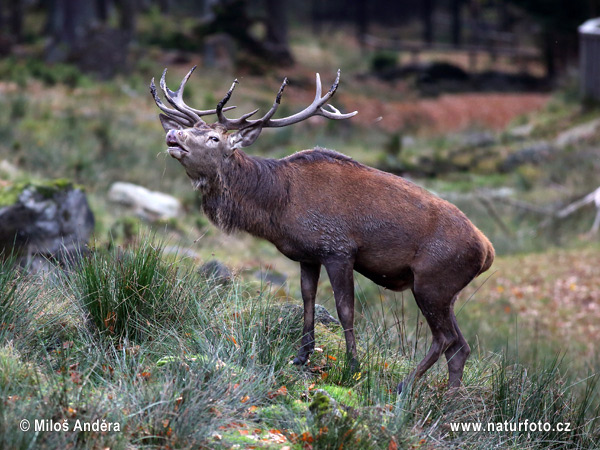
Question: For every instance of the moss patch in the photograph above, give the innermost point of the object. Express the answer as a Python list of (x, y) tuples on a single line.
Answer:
[(344, 395), (48, 188)]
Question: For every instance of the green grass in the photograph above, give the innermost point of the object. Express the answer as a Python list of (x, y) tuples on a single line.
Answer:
[(191, 364)]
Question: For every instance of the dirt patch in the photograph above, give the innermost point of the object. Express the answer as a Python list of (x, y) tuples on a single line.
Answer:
[(447, 113)]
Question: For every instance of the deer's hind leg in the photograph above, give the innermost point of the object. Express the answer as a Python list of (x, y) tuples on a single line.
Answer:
[(456, 354), (436, 304)]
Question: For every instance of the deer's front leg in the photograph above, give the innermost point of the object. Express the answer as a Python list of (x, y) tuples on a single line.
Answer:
[(341, 276), (309, 278)]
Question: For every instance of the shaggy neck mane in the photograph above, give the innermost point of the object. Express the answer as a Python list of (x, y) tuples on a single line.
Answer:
[(246, 195)]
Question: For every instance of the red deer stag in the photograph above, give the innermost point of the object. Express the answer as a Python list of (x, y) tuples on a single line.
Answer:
[(320, 207)]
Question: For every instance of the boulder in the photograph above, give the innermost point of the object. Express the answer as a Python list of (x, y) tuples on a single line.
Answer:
[(216, 271), (149, 205), (321, 313), (534, 153), (270, 277), (578, 133), (326, 411), (522, 131), (44, 220), (477, 139)]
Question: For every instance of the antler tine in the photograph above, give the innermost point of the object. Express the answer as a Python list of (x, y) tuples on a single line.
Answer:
[(318, 87), (182, 113), (173, 113), (315, 108), (219, 110), (336, 114), (175, 98), (241, 122), (277, 101)]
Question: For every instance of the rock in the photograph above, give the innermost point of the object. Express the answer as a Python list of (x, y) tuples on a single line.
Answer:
[(321, 313), (536, 153), (323, 316), (578, 133), (324, 408), (477, 139), (522, 131), (45, 220), (270, 277), (149, 205), (326, 411), (216, 271)]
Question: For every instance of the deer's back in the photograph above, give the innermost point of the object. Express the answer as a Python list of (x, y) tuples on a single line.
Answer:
[(338, 206)]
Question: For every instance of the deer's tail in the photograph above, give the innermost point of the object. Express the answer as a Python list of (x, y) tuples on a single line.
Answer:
[(489, 257)]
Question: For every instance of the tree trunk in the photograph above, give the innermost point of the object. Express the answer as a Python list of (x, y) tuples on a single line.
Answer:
[(456, 22), (362, 21), (549, 53), (16, 19), (427, 7), (128, 16), (2, 20), (70, 10), (164, 6), (102, 10), (315, 16), (277, 31)]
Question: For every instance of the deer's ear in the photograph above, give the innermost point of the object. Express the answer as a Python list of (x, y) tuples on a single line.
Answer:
[(245, 137), (168, 123)]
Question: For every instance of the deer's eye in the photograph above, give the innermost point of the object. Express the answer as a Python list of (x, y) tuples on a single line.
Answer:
[(214, 139)]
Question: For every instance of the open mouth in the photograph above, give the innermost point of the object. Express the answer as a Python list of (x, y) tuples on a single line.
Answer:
[(176, 147), (173, 145), (176, 150)]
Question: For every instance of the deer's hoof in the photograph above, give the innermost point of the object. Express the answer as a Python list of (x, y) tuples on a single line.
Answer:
[(300, 360)]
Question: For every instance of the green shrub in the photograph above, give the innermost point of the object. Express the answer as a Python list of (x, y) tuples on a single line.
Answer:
[(384, 60)]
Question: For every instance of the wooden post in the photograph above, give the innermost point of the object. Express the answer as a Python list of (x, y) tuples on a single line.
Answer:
[(589, 59)]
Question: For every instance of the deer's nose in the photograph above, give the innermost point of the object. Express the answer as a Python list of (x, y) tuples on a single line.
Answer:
[(171, 138)]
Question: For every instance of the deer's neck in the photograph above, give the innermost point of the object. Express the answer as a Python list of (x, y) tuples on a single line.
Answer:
[(247, 195)]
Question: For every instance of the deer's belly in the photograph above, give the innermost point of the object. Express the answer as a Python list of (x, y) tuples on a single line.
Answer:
[(393, 279)]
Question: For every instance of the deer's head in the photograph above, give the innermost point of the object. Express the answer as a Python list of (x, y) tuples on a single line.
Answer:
[(203, 148)]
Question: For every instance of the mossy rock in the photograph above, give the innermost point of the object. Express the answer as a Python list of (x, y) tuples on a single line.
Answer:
[(343, 394), (47, 218), (325, 409), (9, 195)]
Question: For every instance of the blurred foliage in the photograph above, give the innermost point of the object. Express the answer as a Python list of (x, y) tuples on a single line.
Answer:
[(21, 70), (383, 60)]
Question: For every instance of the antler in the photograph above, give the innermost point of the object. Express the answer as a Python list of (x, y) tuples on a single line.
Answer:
[(182, 113), (314, 109)]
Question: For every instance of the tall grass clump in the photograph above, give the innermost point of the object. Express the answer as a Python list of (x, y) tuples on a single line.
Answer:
[(16, 308), (125, 291)]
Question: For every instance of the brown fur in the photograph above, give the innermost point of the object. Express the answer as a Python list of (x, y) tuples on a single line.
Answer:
[(319, 207)]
